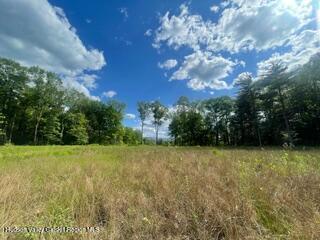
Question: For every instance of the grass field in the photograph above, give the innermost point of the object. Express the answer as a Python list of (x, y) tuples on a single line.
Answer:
[(161, 192)]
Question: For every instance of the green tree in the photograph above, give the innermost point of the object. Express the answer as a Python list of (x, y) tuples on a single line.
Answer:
[(105, 119), (52, 129), (275, 85), (2, 133), (159, 113), (45, 96), (191, 128), (218, 118), (304, 102), (247, 115), (13, 80), (187, 126), (144, 111), (75, 130), (131, 136)]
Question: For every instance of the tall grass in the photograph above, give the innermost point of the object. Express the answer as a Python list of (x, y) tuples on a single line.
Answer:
[(161, 193)]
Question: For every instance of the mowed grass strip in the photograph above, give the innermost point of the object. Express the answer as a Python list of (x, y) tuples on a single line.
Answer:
[(161, 192)]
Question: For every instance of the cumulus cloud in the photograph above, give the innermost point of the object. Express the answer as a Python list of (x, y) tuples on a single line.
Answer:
[(205, 70), (184, 30), (169, 64), (34, 32), (214, 8), (148, 33), (224, 4), (304, 46), (244, 26), (70, 82), (241, 77), (124, 12), (88, 80), (110, 94), (261, 24)]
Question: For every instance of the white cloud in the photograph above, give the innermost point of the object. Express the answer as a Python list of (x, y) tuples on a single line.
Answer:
[(34, 32), (169, 64), (148, 33), (214, 8), (304, 45), (130, 116), (88, 80), (241, 77), (124, 12), (225, 4), (184, 30), (37, 33), (150, 132), (261, 24), (246, 25), (306, 39), (149, 129), (110, 94), (70, 82), (204, 70)]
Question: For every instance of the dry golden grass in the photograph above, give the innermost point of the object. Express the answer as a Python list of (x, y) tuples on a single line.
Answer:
[(161, 193)]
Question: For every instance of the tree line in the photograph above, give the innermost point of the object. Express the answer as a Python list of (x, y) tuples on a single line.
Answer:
[(36, 109), (281, 107)]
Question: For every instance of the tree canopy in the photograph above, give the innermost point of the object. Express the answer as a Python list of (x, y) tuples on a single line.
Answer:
[(35, 108), (281, 107)]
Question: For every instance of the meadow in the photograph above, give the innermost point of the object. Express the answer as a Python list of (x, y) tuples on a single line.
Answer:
[(147, 192)]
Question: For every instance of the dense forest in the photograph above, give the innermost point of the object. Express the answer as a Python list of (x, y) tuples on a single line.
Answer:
[(279, 107), (36, 109)]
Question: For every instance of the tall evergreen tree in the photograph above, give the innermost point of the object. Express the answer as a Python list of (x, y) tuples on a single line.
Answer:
[(247, 113), (275, 85)]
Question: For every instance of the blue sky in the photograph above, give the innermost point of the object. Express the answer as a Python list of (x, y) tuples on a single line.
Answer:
[(132, 63), (120, 48)]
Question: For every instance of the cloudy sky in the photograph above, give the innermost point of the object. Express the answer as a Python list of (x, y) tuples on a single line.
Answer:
[(157, 49)]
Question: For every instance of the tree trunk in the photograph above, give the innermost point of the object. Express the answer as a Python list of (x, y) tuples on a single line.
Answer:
[(227, 131), (11, 129), (242, 137), (217, 137), (99, 136), (256, 122), (227, 136), (36, 132), (285, 115), (35, 137), (61, 134), (259, 135), (157, 131)]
